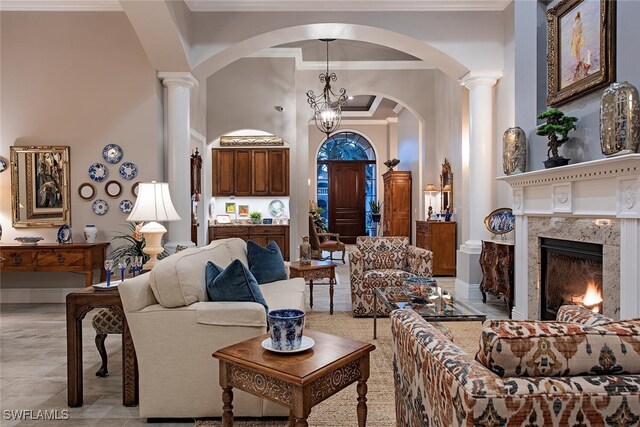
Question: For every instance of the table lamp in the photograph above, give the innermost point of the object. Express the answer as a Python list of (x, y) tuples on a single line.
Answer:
[(430, 188), (153, 204)]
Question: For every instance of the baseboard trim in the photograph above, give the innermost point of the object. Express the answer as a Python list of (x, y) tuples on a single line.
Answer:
[(35, 295), (470, 291), (517, 316)]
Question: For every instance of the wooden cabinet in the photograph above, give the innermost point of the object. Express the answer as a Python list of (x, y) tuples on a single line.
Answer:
[(82, 257), (397, 204), (250, 171), (261, 234), (496, 262), (440, 238)]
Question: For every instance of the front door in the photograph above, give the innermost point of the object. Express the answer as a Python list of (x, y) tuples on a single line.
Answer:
[(346, 199)]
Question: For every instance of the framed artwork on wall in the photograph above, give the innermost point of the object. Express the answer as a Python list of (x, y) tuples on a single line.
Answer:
[(40, 186), (581, 37), (230, 208)]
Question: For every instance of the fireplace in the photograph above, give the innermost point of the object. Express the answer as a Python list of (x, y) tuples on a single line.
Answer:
[(571, 273)]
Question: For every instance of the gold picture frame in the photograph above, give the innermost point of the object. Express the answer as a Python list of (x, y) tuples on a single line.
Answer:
[(40, 186), (581, 48)]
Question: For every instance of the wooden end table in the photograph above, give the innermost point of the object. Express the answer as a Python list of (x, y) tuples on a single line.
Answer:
[(299, 380), (315, 270), (79, 303)]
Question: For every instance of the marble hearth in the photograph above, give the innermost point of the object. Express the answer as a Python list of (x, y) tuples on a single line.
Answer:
[(595, 202)]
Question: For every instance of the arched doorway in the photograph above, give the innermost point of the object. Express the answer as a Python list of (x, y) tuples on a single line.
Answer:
[(346, 172)]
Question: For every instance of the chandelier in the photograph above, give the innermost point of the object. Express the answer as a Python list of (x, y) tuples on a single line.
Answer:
[(327, 106)]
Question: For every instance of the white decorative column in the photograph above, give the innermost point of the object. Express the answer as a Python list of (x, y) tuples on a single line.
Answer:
[(481, 183), (177, 152)]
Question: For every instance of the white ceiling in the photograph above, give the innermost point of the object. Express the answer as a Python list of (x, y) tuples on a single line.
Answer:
[(268, 5)]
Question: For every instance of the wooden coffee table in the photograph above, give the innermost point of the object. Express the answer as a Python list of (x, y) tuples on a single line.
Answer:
[(315, 270), (299, 380)]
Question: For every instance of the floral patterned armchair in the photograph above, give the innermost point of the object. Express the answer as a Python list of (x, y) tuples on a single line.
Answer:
[(438, 384), (383, 262)]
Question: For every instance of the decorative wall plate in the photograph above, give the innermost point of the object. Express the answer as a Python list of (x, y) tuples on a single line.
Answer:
[(113, 189), (98, 172), (100, 207), (126, 206), (128, 170), (134, 189), (87, 191), (112, 153), (500, 221), (64, 234), (3, 165), (276, 208)]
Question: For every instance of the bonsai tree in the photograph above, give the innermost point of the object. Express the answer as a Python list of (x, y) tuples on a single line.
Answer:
[(556, 129)]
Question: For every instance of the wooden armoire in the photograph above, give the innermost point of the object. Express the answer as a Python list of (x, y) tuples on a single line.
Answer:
[(397, 204)]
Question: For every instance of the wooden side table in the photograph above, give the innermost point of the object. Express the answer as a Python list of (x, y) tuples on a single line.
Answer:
[(315, 270), (79, 303), (298, 381)]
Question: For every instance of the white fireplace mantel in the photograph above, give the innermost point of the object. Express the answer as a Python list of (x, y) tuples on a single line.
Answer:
[(599, 189)]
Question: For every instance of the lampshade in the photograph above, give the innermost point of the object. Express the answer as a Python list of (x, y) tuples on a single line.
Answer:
[(429, 187), (153, 203), (446, 187)]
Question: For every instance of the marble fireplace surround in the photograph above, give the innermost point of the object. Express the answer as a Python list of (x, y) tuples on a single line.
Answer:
[(595, 202)]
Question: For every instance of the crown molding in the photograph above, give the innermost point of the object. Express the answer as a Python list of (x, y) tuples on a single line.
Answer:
[(301, 65), (345, 5), (60, 6)]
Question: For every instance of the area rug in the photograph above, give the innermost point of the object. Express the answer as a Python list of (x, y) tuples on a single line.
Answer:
[(340, 409)]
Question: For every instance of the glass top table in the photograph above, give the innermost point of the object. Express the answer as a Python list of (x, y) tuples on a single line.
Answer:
[(429, 300)]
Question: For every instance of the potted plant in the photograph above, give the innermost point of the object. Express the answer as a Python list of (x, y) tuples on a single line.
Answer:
[(556, 129), (376, 209), (256, 217)]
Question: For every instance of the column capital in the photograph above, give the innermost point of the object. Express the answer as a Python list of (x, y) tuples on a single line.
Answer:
[(481, 78), (177, 78)]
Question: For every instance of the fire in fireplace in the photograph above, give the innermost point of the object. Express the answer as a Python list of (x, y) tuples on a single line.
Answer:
[(571, 273)]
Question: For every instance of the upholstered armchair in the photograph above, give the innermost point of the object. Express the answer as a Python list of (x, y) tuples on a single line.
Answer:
[(320, 242), (383, 262), (579, 370)]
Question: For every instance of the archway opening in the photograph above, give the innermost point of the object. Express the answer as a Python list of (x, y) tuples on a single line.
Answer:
[(345, 203)]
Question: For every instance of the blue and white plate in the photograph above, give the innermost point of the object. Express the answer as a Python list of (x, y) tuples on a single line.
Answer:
[(98, 172), (100, 207), (64, 234), (126, 206), (3, 165), (128, 170), (112, 153), (307, 343)]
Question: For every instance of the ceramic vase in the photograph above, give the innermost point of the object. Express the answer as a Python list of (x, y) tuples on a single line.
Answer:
[(514, 151), (305, 251), (90, 233), (286, 327), (619, 120)]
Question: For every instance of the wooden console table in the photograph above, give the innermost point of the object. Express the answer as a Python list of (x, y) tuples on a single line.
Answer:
[(79, 303), (82, 257), (496, 262)]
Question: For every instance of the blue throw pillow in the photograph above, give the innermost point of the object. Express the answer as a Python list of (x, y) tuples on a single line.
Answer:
[(234, 283), (266, 264)]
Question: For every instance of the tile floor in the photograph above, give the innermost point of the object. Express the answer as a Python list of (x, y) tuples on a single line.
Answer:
[(33, 360)]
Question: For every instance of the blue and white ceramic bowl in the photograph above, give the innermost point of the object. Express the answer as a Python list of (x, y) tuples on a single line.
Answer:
[(286, 329)]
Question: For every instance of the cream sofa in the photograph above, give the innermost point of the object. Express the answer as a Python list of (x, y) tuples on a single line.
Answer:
[(175, 330)]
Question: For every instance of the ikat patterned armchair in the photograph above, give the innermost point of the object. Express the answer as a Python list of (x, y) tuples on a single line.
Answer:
[(580, 370), (383, 262)]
